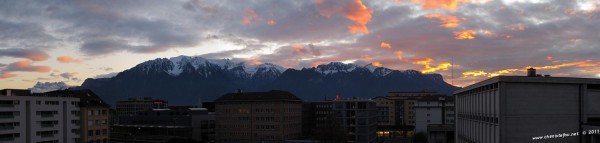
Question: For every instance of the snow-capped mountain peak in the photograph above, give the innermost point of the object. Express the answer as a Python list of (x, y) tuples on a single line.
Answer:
[(335, 67), (41, 87)]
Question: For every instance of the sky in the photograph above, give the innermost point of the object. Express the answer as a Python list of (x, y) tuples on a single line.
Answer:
[(464, 40)]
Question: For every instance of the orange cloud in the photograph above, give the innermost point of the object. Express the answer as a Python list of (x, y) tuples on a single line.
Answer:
[(354, 11), (447, 4), (366, 57), (385, 45), (252, 62), (377, 64), (466, 34), (5, 75), (298, 48), (250, 16), (428, 68), (591, 71), (360, 15), (399, 54), (586, 63), (35, 56), (447, 21), (271, 22), (549, 58), (572, 40), (25, 65), (518, 27), (67, 59)]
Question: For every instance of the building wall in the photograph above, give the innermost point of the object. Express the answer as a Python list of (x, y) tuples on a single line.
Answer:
[(359, 118), (29, 119), (386, 110), (427, 112), (94, 124), (478, 114), (534, 109), (269, 121)]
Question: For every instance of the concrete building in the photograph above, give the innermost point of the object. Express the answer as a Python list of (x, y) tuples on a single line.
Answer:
[(25, 118), (396, 113), (437, 109), (137, 104), (515, 109), (93, 114), (164, 125), (358, 117), (273, 116)]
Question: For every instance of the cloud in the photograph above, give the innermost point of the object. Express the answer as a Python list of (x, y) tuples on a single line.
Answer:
[(451, 5), (109, 75), (465, 35), (68, 75), (271, 22), (353, 10), (399, 54), (250, 16), (447, 21), (385, 45), (377, 64), (5, 75), (35, 55), (25, 66), (68, 59)]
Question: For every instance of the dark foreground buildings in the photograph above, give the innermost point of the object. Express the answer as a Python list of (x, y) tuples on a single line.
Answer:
[(273, 116), (516, 109), (174, 124)]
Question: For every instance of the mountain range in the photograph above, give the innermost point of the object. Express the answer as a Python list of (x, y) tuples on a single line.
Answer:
[(187, 80)]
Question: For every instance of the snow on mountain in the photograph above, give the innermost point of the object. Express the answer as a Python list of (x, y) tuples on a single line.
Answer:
[(40, 87), (378, 71), (240, 69), (335, 67)]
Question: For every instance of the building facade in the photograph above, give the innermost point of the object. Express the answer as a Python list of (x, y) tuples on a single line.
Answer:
[(358, 117), (514, 109), (25, 118), (433, 110), (273, 116), (137, 104), (162, 125), (94, 114)]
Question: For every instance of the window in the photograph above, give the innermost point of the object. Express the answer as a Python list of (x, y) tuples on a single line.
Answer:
[(97, 132), (89, 112), (103, 112), (90, 133), (90, 123)]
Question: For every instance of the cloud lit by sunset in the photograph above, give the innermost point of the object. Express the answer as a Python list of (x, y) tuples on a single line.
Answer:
[(486, 38)]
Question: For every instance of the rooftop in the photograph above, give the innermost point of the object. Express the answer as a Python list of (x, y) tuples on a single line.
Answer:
[(527, 79), (273, 95)]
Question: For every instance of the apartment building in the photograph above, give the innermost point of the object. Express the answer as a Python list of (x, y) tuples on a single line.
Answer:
[(28, 118), (437, 109), (358, 117), (273, 116), (132, 106), (93, 114)]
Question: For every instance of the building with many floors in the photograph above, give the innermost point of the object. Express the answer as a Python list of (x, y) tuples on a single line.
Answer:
[(437, 109), (358, 117), (515, 109), (93, 114), (28, 118), (137, 104), (164, 125), (273, 116)]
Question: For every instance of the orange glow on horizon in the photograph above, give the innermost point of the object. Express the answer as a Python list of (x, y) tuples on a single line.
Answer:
[(377, 64), (586, 63)]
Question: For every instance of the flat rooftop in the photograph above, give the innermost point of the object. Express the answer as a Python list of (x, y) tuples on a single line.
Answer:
[(527, 79)]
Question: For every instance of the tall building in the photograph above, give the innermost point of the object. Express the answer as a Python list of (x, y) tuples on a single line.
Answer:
[(437, 109), (26, 118), (177, 123), (137, 104), (273, 116), (94, 114), (513, 109), (358, 117), (396, 113)]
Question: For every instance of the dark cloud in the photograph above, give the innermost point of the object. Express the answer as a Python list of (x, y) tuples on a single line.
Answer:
[(35, 55), (67, 75)]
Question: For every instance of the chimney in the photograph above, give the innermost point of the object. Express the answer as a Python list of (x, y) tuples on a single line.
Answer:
[(531, 72)]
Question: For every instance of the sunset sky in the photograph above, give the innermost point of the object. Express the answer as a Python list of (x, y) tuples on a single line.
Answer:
[(70, 41)]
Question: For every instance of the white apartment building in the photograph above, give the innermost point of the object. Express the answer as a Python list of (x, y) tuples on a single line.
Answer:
[(35, 119), (433, 110)]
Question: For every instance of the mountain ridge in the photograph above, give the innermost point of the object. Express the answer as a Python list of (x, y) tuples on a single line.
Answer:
[(184, 80)]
